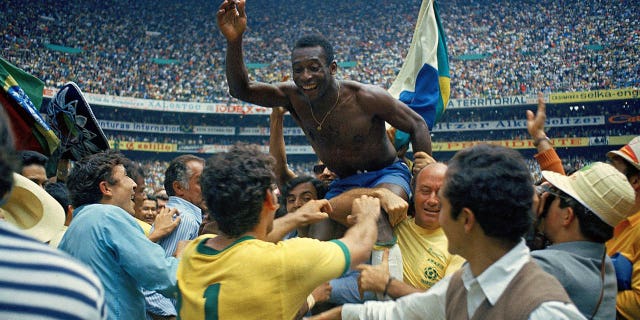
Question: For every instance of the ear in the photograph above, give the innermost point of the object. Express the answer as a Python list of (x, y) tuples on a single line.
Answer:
[(568, 216), (69, 215), (270, 200), (104, 188), (635, 182), (177, 188), (468, 218), (333, 67)]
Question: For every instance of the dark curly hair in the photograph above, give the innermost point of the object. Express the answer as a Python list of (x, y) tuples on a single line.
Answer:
[(495, 183), (85, 176), (234, 185), (316, 40)]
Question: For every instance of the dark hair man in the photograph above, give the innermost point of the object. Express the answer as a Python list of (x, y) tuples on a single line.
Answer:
[(241, 273), (108, 239)]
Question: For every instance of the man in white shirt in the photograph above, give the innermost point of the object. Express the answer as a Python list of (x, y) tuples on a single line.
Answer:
[(486, 202)]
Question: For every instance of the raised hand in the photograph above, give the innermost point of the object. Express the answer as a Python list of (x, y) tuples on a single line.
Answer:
[(232, 19), (164, 223), (535, 123)]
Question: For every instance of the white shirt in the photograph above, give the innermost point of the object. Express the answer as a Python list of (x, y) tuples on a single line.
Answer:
[(489, 285)]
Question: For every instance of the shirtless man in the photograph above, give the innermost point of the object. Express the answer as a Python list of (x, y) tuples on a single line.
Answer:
[(344, 121)]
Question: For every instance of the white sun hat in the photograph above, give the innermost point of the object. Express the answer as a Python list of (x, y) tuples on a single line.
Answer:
[(599, 187)]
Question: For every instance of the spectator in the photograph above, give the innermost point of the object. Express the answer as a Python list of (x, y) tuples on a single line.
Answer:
[(623, 246), (108, 239), (33, 167), (578, 215), (425, 259), (182, 182), (239, 188), (486, 202), (72, 291)]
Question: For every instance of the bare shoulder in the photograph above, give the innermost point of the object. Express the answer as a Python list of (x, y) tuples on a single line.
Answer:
[(368, 95), (287, 87), (290, 90), (364, 90)]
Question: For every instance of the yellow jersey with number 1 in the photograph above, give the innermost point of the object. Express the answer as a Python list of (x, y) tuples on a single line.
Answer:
[(254, 279)]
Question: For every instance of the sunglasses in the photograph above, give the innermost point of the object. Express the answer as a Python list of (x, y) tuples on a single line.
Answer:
[(551, 190), (319, 168)]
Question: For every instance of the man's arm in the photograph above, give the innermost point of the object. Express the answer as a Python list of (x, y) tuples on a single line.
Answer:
[(546, 156), (164, 224), (392, 204), (378, 279), (311, 212), (360, 238), (401, 117), (424, 305), (232, 21), (277, 148)]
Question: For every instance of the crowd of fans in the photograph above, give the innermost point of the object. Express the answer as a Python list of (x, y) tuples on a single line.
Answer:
[(155, 169), (172, 50)]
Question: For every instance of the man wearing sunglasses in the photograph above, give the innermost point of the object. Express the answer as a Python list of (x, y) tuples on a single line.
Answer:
[(577, 214), (623, 246)]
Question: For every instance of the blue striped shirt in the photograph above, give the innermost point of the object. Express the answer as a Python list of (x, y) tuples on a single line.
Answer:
[(191, 218), (38, 282)]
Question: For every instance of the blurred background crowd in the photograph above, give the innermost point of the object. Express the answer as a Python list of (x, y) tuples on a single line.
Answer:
[(172, 50)]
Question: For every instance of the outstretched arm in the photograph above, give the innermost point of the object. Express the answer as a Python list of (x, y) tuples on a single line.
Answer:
[(232, 21), (546, 156), (277, 148), (311, 212), (395, 206)]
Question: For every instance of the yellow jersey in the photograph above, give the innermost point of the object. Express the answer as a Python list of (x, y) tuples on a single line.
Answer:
[(425, 257), (254, 279)]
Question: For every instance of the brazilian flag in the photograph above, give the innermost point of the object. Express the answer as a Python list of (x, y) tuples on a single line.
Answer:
[(21, 98)]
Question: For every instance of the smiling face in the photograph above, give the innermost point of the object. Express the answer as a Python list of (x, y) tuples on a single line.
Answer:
[(311, 71), (426, 200), (122, 192), (148, 211)]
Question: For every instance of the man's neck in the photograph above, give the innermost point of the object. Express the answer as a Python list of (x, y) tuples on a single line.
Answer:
[(487, 252), (222, 241)]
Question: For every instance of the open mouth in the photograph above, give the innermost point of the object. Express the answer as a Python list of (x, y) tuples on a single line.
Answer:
[(309, 87)]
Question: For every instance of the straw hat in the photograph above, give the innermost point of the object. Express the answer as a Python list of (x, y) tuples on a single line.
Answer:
[(599, 187), (32, 209), (629, 152)]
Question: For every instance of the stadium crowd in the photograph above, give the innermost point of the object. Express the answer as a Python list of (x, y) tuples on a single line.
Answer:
[(171, 50), (247, 235)]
